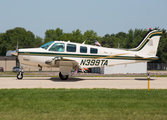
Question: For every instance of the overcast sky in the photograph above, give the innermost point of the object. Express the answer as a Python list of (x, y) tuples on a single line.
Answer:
[(102, 16)]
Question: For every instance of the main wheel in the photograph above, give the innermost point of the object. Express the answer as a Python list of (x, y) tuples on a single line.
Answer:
[(20, 75), (63, 77)]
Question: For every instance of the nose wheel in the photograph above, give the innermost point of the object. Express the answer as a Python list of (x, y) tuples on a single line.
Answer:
[(63, 77), (20, 75)]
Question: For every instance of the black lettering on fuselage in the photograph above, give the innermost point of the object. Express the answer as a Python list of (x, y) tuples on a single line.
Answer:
[(82, 62), (94, 62), (106, 63), (97, 62), (102, 62), (87, 62)]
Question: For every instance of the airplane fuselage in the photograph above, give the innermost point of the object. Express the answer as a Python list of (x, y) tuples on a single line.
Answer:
[(101, 56)]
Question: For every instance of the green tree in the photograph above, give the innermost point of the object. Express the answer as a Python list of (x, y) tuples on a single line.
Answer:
[(38, 41), (108, 41), (134, 37), (162, 49), (91, 36), (121, 40), (11, 37), (47, 40), (3, 43), (66, 37), (129, 39), (78, 36), (138, 36), (52, 35)]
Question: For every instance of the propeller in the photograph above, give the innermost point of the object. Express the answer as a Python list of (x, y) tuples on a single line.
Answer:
[(17, 50)]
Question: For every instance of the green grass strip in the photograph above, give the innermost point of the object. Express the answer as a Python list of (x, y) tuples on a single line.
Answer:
[(84, 104)]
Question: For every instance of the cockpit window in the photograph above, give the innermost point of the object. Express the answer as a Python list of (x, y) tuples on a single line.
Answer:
[(46, 45), (59, 47)]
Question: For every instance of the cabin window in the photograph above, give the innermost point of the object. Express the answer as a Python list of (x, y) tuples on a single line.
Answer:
[(93, 50), (83, 49), (71, 48), (59, 47)]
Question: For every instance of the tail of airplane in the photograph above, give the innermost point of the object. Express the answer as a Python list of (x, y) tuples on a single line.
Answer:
[(149, 44)]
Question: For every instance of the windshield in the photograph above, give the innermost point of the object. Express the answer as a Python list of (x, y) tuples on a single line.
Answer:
[(46, 45), (57, 47)]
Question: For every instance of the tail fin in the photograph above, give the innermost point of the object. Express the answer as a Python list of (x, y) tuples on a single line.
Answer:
[(149, 44)]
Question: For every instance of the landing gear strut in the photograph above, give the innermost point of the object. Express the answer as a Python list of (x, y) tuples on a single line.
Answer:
[(63, 77), (20, 74)]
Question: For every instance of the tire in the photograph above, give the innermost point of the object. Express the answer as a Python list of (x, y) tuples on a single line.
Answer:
[(63, 77), (20, 75)]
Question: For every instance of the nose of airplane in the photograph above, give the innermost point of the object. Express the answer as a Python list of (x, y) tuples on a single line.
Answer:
[(14, 52)]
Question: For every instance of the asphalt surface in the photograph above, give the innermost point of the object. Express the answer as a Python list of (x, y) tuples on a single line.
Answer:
[(84, 82)]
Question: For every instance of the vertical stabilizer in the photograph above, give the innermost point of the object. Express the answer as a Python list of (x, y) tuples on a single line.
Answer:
[(149, 44)]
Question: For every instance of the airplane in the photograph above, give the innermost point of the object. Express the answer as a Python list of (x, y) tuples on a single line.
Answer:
[(69, 55)]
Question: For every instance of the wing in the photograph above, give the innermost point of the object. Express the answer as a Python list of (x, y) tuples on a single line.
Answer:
[(59, 61)]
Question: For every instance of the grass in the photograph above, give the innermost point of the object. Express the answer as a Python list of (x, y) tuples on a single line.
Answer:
[(84, 104)]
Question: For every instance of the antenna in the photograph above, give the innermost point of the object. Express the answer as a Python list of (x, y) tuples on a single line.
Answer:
[(84, 42)]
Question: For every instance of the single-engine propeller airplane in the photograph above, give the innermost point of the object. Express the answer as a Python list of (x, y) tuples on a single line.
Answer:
[(69, 55)]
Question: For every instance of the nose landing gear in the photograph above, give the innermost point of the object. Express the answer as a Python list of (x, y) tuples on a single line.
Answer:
[(20, 74)]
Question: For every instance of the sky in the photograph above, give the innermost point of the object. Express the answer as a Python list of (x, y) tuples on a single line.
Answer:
[(101, 16)]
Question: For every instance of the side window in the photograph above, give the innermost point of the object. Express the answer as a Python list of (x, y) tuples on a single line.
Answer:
[(59, 47), (71, 48), (83, 49), (93, 50)]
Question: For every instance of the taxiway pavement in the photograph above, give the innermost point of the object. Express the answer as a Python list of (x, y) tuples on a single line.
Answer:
[(84, 82)]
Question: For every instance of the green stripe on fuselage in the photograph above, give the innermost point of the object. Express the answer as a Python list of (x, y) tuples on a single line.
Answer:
[(60, 54), (85, 56)]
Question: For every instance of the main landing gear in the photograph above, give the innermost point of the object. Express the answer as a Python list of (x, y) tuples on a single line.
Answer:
[(20, 74), (63, 77)]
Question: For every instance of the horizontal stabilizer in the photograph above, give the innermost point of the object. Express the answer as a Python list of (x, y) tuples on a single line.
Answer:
[(142, 55)]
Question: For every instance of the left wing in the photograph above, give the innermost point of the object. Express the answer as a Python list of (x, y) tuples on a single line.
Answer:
[(60, 61)]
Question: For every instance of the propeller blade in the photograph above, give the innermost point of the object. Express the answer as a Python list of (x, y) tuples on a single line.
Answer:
[(17, 47), (16, 52)]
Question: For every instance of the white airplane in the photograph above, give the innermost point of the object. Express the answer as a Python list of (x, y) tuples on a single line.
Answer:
[(69, 55)]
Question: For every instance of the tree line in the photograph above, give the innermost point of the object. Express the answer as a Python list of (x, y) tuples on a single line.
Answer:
[(27, 39)]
